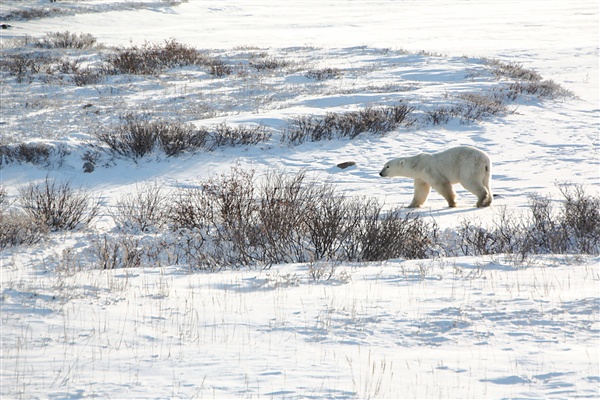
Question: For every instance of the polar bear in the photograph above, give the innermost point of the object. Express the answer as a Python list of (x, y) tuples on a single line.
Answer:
[(466, 165)]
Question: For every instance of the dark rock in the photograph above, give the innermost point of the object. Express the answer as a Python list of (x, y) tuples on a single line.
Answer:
[(346, 164), (88, 167)]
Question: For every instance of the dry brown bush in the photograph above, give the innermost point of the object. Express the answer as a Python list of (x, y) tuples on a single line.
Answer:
[(573, 229), (373, 120), (66, 40), (232, 221), (57, 205)]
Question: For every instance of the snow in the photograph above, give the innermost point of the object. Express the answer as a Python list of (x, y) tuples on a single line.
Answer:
[(458, 328), (449, 327)]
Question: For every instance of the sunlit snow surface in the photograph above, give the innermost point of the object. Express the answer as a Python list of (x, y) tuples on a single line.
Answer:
[(466, 327)]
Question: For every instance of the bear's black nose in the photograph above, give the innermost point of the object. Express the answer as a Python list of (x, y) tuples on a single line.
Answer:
[(380, 174)]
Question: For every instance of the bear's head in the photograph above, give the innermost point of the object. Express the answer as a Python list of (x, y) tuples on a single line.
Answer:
[(392, 168)]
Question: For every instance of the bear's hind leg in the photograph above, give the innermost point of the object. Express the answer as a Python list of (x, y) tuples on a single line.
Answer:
[(445, 189), (484, 200), (484, 196), (422, 189)]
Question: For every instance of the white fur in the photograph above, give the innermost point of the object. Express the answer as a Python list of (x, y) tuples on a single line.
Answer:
[(465, 165)]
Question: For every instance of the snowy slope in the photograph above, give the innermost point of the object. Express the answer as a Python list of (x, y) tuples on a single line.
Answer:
[(465, 327)]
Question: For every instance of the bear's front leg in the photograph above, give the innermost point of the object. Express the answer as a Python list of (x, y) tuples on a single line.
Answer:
[(422, 189)]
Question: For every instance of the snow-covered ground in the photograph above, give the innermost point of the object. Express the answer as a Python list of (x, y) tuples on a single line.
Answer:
[(450, 327)]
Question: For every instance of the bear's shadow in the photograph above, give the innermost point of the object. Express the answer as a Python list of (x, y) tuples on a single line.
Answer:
[(445, 211)]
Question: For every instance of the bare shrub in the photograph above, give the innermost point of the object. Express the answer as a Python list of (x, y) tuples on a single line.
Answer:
[(151, 58), (324, 73), (503, 236), (321, 271), (173, 54), (520, 235), (233, 221), (34, 153), (269, 63), (541, 89), (132, 61), (512, 70), (87, 76), (190, 210), (471, 107), (25, 66), (395, 234), (219, 69), (223, 135), (67, 66), (176, 138), (191, 248), (137, 136), (543, 232), (306, 128), (284, 205), (475, 240), (581, 218), (57, 205), (574, 229), (220, 222), (329, 222), (31, 13), (525, 81), (113, 253), (480, 105), (236, 220), (441, 115), (67, 40), (374, 120), (141, 211), (19, 228)]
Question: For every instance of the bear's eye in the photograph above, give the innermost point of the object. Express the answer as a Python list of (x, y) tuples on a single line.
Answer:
[(387, 167)]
